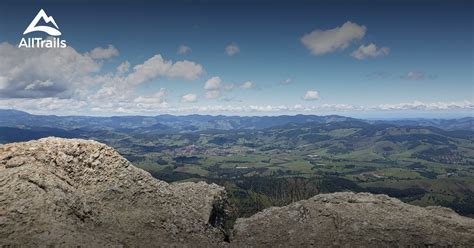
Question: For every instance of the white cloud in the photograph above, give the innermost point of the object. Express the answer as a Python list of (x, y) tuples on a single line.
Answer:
[(419, 105), (185, 69), (189, 98), (156, 66), (247, 85), (22, 70), (297, 108), (369, 51), (214, 87), (104, 53), (123, 67), (326, 41), (55, 81), (152, 68), (120, 86), (414, 75), (183, 49), (155, 103), (311, 95), (232, 49), (214, 83)]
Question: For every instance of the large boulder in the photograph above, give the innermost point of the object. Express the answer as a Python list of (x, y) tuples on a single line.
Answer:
[(354, 220), (60, 192)]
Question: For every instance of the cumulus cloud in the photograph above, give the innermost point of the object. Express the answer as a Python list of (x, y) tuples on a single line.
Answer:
[(183, 49), (156, 66), (65, 81), (311, 95), (65, 73), (232, 49), (369, 51), (120, 86), (325, 41), (185, 69), (42, 72), (247, 85), (214, 83), (104, 53), (189, 98), (214, 87), (414, 75)]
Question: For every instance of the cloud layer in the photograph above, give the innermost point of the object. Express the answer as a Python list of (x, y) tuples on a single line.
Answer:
[(148, 106)]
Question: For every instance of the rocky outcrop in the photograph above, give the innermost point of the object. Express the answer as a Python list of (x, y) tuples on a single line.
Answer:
[(69, 193), (58, 192), (354, 220)]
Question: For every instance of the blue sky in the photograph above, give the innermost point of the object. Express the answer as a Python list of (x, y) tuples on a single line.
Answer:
[(415, 58)]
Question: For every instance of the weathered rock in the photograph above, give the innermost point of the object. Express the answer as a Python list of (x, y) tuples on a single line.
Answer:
[(354, 220), (59, 192)]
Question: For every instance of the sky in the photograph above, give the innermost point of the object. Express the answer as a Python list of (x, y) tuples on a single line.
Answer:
[(372, 59)]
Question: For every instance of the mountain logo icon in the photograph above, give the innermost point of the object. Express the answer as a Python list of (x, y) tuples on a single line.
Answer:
[(47, 29)]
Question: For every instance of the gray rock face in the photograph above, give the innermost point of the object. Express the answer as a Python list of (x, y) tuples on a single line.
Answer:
[(354, 220), (59, 192)]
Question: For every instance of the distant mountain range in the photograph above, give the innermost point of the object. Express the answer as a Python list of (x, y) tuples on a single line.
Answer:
[(191, 123), (466, 123), (14, 118)]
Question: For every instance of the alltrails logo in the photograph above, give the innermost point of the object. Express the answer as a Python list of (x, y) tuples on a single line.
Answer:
[(37, 42)]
